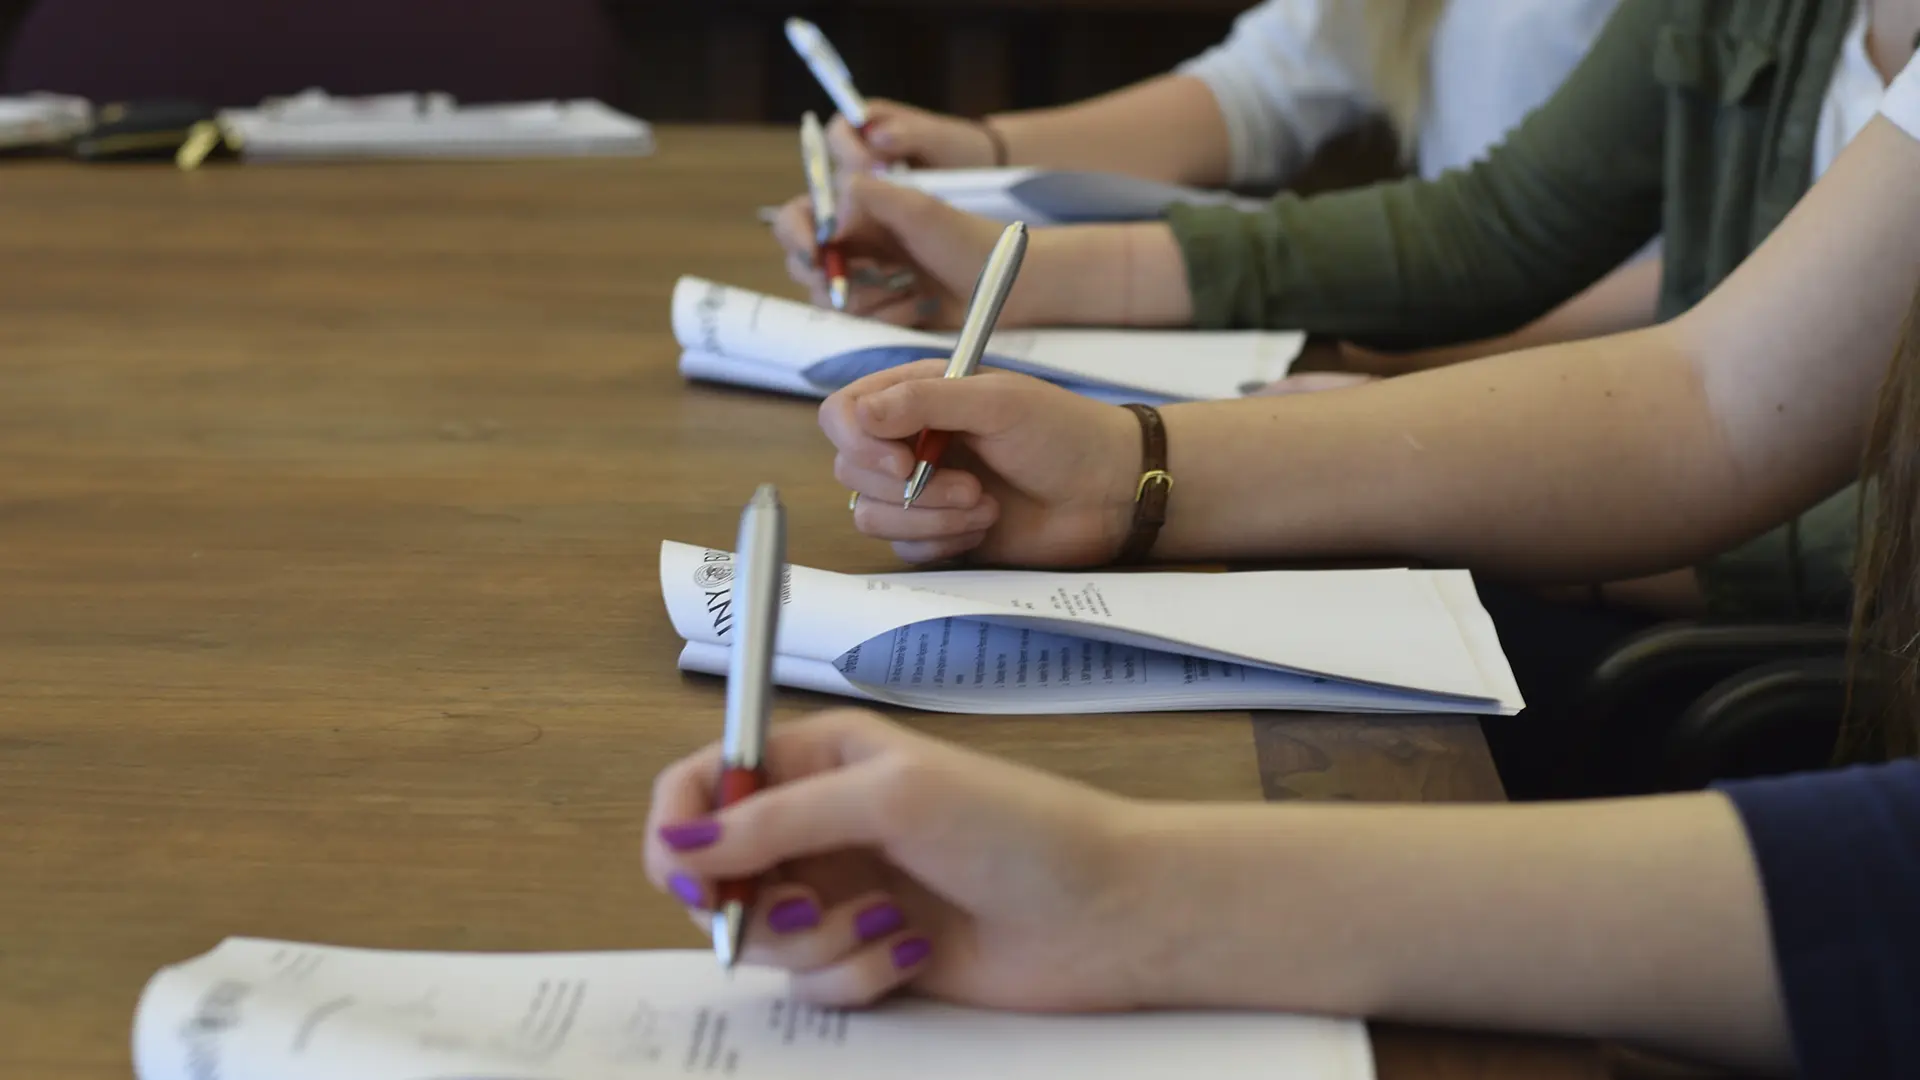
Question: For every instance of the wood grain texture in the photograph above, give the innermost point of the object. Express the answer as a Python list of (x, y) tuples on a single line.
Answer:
[(1374, 759), (330, 505)]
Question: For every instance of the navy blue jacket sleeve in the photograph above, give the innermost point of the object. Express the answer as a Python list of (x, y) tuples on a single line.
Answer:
[(1839, 858)]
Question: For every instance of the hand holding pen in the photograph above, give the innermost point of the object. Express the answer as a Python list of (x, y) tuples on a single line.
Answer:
[(759, 568), (826, 212), (983, 311)]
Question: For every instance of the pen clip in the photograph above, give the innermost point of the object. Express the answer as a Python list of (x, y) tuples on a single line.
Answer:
[(990, 293), (759, 576)]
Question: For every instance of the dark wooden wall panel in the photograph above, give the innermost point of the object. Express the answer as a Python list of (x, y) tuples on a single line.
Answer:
[(958, 56), (727, 60)]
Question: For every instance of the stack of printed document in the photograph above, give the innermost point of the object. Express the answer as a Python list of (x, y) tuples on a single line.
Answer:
[(738, 336), (317, 127), (1058, 197), (282, 1010), (1025, 642)]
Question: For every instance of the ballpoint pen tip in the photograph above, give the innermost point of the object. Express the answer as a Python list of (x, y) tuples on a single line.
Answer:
[(729, 933), (837, 293), (917, 483)]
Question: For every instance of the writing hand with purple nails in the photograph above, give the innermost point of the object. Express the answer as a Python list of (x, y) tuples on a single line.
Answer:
[(889, 860)]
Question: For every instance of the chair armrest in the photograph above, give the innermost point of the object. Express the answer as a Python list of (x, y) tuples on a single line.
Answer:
[(1769, 720), (1668, 666)]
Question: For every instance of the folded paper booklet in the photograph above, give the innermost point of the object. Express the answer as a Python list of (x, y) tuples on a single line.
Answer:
[(739, 336), (278, 1010), (313, 126), (1058, 197), (1027, 642), (42, 120)]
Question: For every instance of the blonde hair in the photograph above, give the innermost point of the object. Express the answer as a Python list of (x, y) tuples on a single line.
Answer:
[(1395, 37)]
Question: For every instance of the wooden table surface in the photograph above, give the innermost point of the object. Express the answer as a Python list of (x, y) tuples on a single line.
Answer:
[(330, 508)]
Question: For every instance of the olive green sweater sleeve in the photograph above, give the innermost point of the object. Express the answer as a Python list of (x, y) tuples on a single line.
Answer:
[(1571, 193)]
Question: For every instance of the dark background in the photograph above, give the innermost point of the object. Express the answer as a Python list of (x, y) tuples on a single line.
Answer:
[(662, 60)]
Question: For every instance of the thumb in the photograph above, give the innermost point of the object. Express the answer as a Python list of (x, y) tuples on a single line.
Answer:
[(906, 212), (889, 138), (891, 132), (850, 152), (985, 404), (825, 812)]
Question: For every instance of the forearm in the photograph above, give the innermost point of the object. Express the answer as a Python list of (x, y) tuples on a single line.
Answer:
[(1167, 128), (1104, 275), (1569, 465), (1639, 920), (1624, 300)]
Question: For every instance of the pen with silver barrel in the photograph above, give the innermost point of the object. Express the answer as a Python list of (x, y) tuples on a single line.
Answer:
[(826, 208), (760, 558), (989, 296)]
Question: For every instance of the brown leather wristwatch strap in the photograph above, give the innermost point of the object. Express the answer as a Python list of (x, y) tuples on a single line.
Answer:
[(1150, 493)]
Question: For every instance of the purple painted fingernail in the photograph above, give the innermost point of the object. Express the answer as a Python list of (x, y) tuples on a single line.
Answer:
[(878, 921), (911, 952), (690, 835), (687, 889), (793, 915)]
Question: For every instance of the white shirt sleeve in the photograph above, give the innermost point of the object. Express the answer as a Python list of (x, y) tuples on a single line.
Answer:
[(1902, 101), (1282, 89)]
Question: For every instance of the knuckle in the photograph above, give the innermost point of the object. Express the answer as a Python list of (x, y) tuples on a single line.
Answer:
[(667, 781), (901, 785), (868, 985), (810, 950), (845, 473)]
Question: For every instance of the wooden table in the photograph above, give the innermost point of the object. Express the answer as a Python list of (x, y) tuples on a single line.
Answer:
[(330, 505)]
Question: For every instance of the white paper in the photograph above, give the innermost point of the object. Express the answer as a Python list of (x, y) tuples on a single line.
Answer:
[(1058, 196), (274, 1010), (734, 335), (314, 126), (41, 119), (1028, 642)]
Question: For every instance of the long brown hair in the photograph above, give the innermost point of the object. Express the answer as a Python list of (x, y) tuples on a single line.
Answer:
[(1883, 715), (1398, 37)]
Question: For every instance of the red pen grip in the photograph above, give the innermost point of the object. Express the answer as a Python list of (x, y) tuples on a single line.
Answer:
[(737, 784), (833, 262), (930, 446)]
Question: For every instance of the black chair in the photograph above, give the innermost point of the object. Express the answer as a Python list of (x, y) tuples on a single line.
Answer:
[(1747, 699)]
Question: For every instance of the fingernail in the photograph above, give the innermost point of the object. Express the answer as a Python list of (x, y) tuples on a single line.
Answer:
[(687, 889), (878, 921), (911, 952), (793, 915), (690, 835)]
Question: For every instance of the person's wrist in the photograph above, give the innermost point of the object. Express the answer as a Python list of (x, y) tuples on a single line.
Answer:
[(1044, 294), (1122, 454), (997, 154), (1193, 516), (1136, 925), (1105, 275)]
